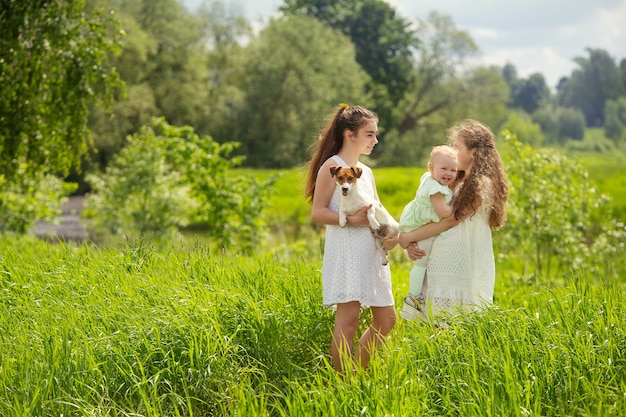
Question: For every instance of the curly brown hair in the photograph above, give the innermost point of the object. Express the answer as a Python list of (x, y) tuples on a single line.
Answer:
[(330, 139), (486, 181)]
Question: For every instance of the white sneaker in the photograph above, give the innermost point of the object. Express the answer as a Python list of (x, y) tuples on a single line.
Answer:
[(412, 309)]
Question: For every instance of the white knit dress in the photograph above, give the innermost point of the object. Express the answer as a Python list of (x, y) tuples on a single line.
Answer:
[(352, 268), (461, 269)]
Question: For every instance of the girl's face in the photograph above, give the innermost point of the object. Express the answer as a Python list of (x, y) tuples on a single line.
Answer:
[(365, 138), (443, 168), (464, 154)]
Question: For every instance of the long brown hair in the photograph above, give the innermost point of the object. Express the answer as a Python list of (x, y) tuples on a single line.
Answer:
[(486, 180), (330, 139)]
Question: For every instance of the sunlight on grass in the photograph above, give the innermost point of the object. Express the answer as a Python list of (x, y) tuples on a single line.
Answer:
[(136, 331)]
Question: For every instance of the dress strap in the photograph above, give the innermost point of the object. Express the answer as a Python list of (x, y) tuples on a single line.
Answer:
[(340, 161)]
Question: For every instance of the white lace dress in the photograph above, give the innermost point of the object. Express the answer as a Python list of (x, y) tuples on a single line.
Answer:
[(461, 268), (352, 268)]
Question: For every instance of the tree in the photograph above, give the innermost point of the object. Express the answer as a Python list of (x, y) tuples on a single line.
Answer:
[(166, 66), (571, 124), (54, 63), (531, 94), (615, 119), (292, 75), (439, 95), (597, 80), (384, 43), (547, 118), (555, 216)]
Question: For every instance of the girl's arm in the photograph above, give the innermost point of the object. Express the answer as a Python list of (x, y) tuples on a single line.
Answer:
[(389, 241), (426, 231), (442, 208), (324, 188), (434, 228)]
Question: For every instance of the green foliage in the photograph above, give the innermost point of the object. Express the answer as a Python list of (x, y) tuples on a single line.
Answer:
[(560, 124), (53, 66), (556, 218), (530, 94), (138, 193), (167, 178), (571, 124), (597, 80), (229, 207), (383, 40), (615, 119), (137, 331), (28, 199), (525, 130), (439, 95), (289, 88), (163, 64)]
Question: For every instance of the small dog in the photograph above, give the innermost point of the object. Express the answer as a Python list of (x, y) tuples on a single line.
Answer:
[(381, 222)]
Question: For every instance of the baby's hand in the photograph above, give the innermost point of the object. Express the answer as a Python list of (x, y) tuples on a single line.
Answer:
[(390, 242)]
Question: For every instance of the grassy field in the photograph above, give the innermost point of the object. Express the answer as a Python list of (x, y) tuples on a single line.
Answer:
[(139, 332), (189, 331)]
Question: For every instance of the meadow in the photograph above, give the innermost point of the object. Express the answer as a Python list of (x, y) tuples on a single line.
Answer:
[(88, 331), (189, 330)]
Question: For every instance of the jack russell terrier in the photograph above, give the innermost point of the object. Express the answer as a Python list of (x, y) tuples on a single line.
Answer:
[(352, 200)]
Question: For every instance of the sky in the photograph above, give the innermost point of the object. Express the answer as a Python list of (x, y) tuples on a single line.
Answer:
[(541, 36)]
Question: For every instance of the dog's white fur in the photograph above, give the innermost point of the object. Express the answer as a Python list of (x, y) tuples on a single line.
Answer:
[(352, 200)]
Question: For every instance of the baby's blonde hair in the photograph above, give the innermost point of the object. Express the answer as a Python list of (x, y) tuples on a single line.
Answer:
[(443, 150)]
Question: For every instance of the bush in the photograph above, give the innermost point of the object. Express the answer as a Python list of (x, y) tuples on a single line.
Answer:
[(29, 199), (615, 119), (167, 178), (571, 124), (557, 222), (139, 193), (526, 131)]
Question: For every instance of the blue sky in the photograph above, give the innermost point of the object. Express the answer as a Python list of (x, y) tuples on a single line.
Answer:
[(534, 35)]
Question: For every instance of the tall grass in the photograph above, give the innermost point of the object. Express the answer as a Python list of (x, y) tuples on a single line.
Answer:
[(606, 171), (141, 332)]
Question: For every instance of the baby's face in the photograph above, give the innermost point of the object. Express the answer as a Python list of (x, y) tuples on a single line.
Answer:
[(443, 168)]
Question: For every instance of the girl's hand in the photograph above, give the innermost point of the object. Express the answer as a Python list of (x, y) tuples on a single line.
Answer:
[(390, 242), (360, 217), (414, 251)]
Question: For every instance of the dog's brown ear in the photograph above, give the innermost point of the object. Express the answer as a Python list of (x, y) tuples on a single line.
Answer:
[(334, 169), (357, 171)]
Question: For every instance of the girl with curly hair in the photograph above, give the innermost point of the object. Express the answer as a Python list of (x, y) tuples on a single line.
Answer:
[(461, 267)]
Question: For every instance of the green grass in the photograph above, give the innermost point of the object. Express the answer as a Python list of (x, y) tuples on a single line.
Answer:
[(141, 332)]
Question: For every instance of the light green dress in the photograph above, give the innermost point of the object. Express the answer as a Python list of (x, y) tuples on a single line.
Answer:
[(420, 211)]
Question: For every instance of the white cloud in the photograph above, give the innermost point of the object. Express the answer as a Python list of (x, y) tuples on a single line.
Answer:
[(534, 35)]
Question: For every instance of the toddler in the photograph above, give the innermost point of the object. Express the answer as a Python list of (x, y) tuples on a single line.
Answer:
[(431, 204)]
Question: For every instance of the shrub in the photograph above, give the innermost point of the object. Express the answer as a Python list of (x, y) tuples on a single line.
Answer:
[(167, 178), (31, 198), (139, 193), (571, 124), (557, 222)]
